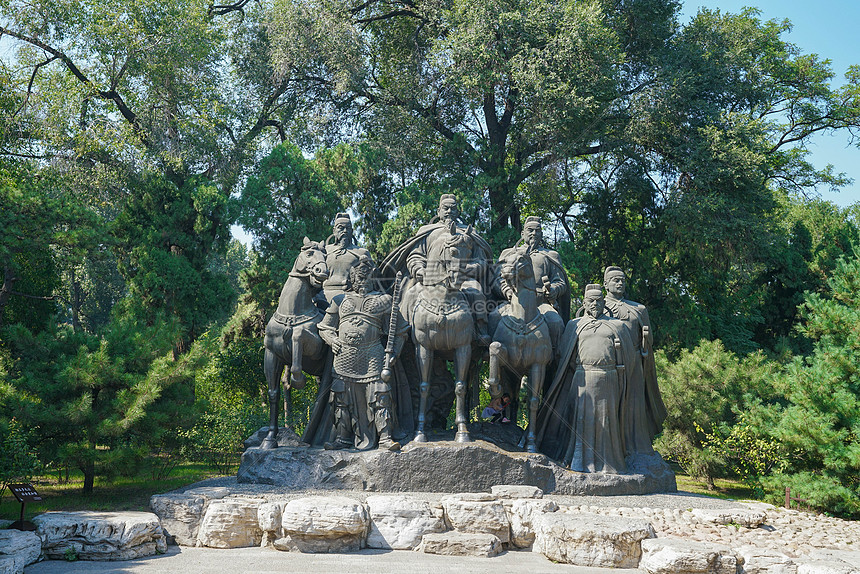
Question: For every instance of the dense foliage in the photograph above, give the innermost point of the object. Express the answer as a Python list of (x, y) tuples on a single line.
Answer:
[(134, 134)]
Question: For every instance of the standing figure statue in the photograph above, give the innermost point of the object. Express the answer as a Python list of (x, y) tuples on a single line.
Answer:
[(341, 254), (361, 326), (292, 339), (644, 411), (551, 286), (580, 422)]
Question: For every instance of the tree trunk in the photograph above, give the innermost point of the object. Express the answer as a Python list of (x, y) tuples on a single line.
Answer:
[(89, 470)]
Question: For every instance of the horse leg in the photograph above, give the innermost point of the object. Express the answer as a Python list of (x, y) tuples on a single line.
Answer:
[(296, 374), (288, 397), (461, 361), (498, 355), (535, 385), (425, 366), (273, 366)]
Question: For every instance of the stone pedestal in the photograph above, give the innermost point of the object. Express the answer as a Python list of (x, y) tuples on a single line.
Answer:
[(443, 466)]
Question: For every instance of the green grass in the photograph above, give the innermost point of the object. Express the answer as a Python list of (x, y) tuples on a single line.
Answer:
[(116, 494), (724, 488)]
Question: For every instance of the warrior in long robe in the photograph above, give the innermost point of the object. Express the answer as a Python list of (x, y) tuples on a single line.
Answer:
[(580, 423), (644, 411), (341, 255), (356, 326)]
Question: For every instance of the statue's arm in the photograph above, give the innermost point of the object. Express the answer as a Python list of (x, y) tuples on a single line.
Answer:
[(327, 327)]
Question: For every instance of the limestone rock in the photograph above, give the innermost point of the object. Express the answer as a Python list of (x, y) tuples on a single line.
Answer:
[(323, 524), (762, 561), (100, 535), (505, 491), (677, 556), (180, 516), (825, 567), (399, 522), (477, 513), (230, 523), (461, 544), (18, 549), (590, 539), (209, 492), (522, 513), (851, 557), (269, 518), (742, 517)]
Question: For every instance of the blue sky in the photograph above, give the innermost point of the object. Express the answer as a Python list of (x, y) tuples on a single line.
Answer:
[(828, 28)]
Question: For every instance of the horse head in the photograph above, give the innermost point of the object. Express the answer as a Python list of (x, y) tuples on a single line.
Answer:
[(518, 270), (311, 263)]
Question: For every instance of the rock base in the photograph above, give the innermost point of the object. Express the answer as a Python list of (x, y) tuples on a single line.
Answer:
[(443, 466)]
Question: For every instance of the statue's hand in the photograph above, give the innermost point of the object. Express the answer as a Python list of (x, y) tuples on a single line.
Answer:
[(507, 291), (419, 275), (336, 346)]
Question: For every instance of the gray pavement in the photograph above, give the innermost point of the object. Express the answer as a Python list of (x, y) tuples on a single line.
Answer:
[(269, 561)]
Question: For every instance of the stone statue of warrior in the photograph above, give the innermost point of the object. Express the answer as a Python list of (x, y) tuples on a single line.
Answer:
[(341, 255), (580, 423), (644, 411), (552, 288), (357, 326), (411, 256)]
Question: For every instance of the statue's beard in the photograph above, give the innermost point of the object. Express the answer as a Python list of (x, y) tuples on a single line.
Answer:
[(342, 239), (533, 242)]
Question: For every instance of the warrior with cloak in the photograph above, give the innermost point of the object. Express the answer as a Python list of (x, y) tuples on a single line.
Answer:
[(644, 411), (580, 422)]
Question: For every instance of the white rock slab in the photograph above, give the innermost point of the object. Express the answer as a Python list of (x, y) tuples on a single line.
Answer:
[(399, 522), (503, 491), (180, 516), (480, 513), (764, 561), (455, 543), (742, 517), (522, 513), (230, 523), (100, 535), (590, 539), (825, 567), (678, 556), (323, 524), (209, 492), (18, 549)]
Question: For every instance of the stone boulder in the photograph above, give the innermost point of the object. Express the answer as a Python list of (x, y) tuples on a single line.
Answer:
[(678, 556), (399, 522), (825, 567), (181, 513), (477, 513), (17, 550), (230, 523), (269, 519), (100, 535), (590, 539), (742, 517), (323, 524), (763, 561), (514, 491), (461, 544), (180, 516), (522, 513)]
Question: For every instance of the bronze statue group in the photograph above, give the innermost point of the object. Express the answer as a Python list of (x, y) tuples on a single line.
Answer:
[(380, 339)]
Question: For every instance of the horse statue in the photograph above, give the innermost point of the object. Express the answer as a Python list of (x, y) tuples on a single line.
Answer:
[(521, 338), (291, 338), (442, 321)]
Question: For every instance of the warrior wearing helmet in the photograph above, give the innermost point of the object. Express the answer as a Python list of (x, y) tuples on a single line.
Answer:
[(356, 326)]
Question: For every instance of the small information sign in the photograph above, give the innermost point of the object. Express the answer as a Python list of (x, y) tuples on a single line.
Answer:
[(24, 493)]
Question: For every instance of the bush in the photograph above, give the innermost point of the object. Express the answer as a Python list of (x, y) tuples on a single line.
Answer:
[(18, 462)]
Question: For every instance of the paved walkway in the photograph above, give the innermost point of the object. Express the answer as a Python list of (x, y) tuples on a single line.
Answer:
[(268, 561)]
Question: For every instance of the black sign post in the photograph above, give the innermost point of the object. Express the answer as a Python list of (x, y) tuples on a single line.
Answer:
[(24, 493)]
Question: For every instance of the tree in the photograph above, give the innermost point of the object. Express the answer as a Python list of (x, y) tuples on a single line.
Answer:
[(819, 421)]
